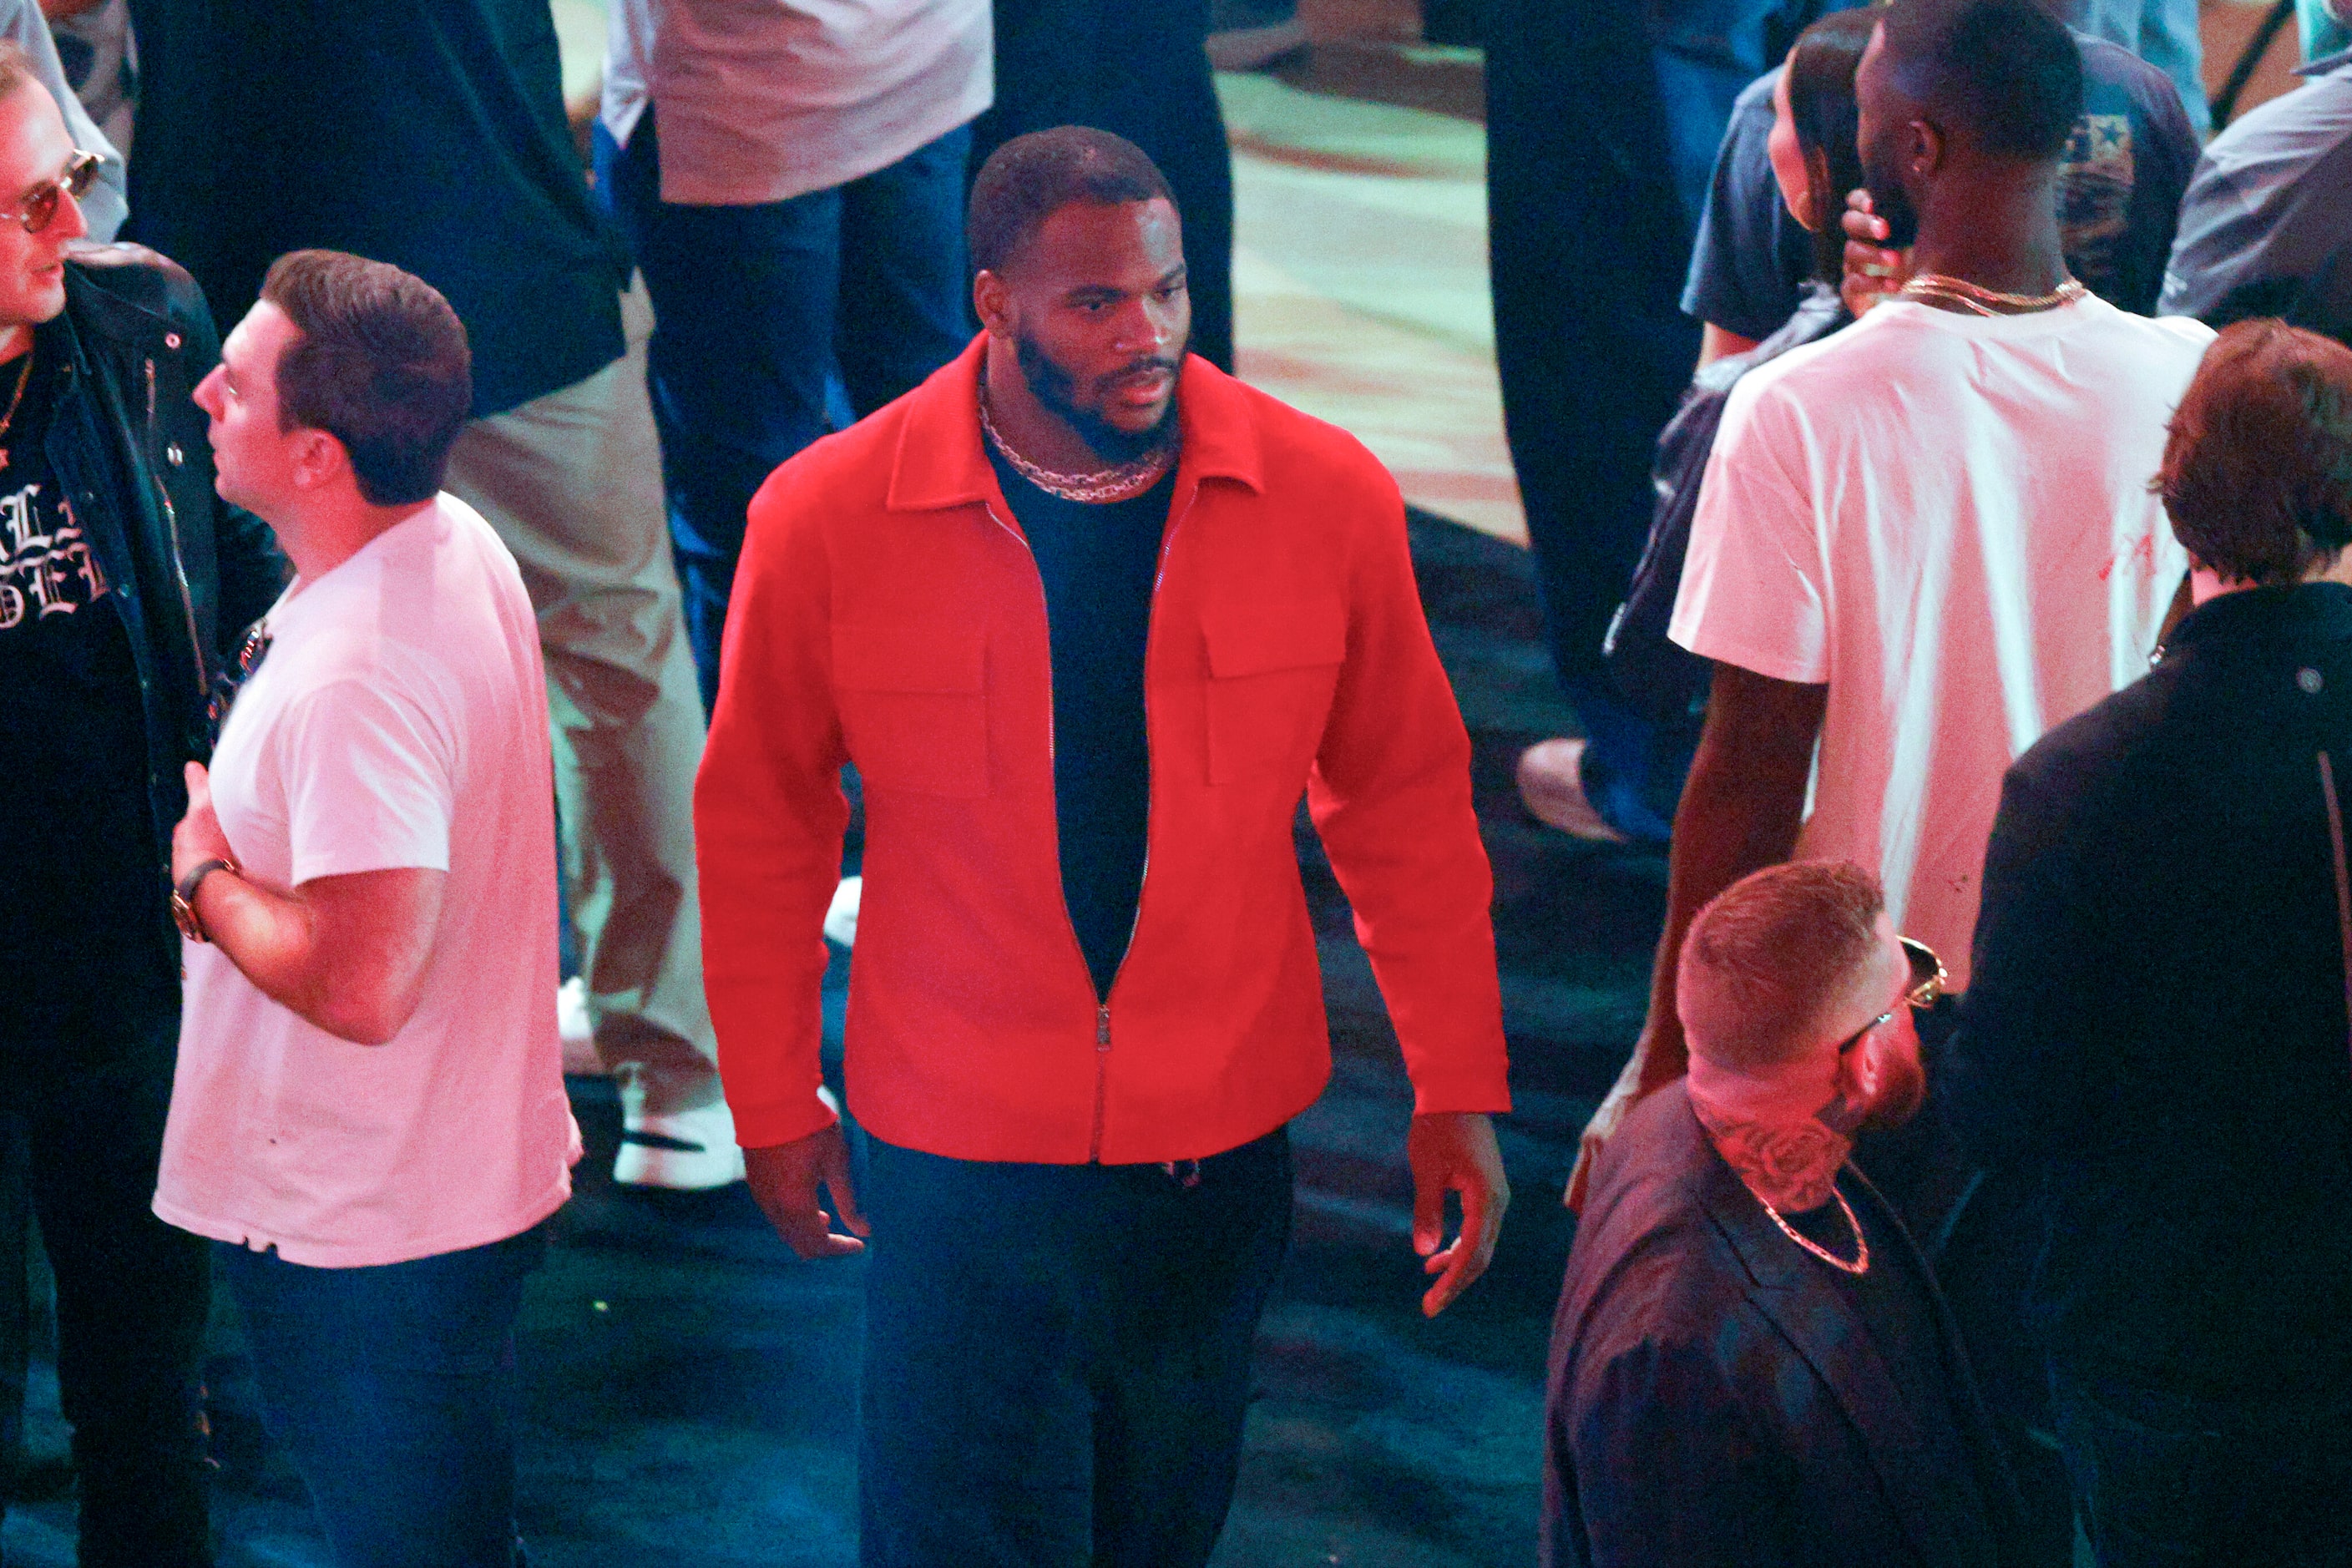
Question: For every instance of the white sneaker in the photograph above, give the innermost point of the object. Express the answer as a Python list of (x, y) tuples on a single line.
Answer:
[(841, 915), (685, 1151), (572, 1027)]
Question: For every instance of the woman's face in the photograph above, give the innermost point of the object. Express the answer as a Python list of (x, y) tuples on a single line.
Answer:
[(1789, 157)]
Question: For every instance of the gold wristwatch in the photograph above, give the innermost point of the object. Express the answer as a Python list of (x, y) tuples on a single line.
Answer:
[(184, 897)]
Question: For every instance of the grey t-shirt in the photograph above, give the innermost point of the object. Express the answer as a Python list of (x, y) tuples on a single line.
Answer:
[(2123, 177), (2264, 220)]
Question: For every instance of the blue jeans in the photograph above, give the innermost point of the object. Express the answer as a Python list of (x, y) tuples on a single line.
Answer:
[(392, 1388), (775, 322), (2164, 33), (2322, 35), (2164, 1482), (1058, 1357)]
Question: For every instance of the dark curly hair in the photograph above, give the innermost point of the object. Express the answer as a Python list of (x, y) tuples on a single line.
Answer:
[(2257, 473)]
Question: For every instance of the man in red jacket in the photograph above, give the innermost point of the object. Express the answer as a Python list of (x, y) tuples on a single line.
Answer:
[(1077, 603)]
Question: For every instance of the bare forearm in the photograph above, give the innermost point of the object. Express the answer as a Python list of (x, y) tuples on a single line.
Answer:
[(346, 953)]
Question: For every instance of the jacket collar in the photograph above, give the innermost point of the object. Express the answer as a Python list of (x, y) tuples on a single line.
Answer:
[(1793, 1289), (2302, 611), (940, 461)]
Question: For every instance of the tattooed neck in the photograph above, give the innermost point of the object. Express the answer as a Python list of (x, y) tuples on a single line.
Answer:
[(1792, 1165)]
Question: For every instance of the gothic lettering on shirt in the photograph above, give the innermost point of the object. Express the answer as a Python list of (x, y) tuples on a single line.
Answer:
[(46, 564)]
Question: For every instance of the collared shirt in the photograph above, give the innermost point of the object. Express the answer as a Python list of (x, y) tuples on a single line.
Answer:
[(762, 101), (2265, 214)]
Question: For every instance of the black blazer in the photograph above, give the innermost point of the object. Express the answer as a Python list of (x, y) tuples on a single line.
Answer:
[(2154, 1032), (1713, 1399)]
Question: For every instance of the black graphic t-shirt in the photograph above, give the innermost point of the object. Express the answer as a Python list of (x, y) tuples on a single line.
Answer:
[(84, 885)]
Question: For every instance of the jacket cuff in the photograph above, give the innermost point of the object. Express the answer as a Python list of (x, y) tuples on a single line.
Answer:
[(786, 1121)]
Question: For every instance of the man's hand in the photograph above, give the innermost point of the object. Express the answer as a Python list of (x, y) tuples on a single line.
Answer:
[(1661, 1042), (1454, 1150), (1872, 271), (784, 1177), (198, 837)]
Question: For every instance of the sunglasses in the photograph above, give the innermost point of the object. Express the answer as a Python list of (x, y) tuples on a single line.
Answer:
[(1927, 981), (40, 208)]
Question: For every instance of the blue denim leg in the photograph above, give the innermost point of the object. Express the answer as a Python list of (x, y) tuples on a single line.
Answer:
[(2322, 35), (749, 309), (394, 1390), (2164, 34)]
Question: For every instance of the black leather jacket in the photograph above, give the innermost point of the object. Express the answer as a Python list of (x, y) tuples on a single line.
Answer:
[(189, 572)]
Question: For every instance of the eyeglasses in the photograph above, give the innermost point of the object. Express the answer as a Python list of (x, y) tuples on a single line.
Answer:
[(1927, 981), (40, 208)]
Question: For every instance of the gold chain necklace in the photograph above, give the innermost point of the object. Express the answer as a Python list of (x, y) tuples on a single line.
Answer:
[(23, 379), (1861, 1264), (1124, 482), (1985, 301)]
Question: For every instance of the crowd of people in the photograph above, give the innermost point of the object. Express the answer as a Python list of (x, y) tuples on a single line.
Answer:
[(558, 545)]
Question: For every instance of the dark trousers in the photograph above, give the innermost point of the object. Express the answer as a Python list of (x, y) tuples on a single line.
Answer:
[(1140, 71), (1058, 1357), (394, 1390), (763, 314), (1589, 242), (2163, 1481), (82, 1105)]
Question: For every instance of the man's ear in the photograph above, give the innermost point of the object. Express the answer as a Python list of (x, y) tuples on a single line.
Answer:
[(319, 459), (1925, 148), (1861, 1072), (991, 301)]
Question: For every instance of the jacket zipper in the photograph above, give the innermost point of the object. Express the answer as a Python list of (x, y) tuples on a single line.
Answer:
[(1102, 1005), (171, 529)]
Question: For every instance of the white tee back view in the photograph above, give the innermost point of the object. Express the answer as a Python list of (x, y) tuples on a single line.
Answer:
[(1947, 519)]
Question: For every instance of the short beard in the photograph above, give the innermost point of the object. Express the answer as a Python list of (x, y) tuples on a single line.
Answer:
[(1892, 204), (1057, 389)]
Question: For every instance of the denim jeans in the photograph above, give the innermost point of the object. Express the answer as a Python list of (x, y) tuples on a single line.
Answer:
[(765, 316), (392, 1388), (2164, 34), (1058, 1357), (2164, 1482), (82, 1104), (2322, 35)]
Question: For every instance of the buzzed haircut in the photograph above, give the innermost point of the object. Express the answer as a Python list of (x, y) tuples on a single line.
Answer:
[(2257, 476), (1773, 951), (15, 66), (2004, 71), (1032, 177), (382, 365)]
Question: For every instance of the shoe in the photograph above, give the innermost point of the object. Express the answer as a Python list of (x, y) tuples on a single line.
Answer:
[(841, 915), (684, 1150), (572, 1027), (1551, 786)]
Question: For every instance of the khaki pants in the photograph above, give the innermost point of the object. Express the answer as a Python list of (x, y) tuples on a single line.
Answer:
[(572, 483)]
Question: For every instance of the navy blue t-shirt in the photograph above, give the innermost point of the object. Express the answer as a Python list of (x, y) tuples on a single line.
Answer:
[(2119, 189), (1098, 563)]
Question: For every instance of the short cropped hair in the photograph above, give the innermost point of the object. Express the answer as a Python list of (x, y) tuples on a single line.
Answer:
[(16, 68), (1821, 110), (1032, 177), (2005, 71), (1769, 955), (382, 365), (2257, 474)]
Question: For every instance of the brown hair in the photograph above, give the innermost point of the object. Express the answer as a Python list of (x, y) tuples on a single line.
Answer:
[(2257, 473), (1770, 953), (1823, 111), (382, 365), (15, 66)]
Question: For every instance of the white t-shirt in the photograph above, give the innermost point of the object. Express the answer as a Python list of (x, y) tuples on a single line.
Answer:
[(760, 101), (1947, 520), (398, 720)]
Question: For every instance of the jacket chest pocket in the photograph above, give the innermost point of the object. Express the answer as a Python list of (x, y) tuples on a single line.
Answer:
[(914, 706), (1273, 667)]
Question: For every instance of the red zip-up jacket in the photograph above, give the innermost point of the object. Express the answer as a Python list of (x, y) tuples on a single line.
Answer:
[(886, 612)]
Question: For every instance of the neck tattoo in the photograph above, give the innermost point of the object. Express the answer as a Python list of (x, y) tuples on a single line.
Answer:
[(1123, 481), (1793, 1167)]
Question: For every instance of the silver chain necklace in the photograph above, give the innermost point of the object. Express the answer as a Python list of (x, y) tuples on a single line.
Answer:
[(1124, 482)]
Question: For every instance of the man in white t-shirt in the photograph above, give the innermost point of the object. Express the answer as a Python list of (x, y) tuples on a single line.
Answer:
[(1924, 541), (369, 1113)]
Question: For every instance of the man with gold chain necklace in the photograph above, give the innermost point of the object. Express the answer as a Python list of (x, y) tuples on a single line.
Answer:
[(1089, 617), (1751, 1363), (1920, 544)]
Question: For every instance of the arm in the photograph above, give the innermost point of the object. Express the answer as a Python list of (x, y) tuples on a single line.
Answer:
[(1739, 812), (768, 816), (2011, 1079), (1390, 796), (1720, 342), (347, 954), (1669, 1471)]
